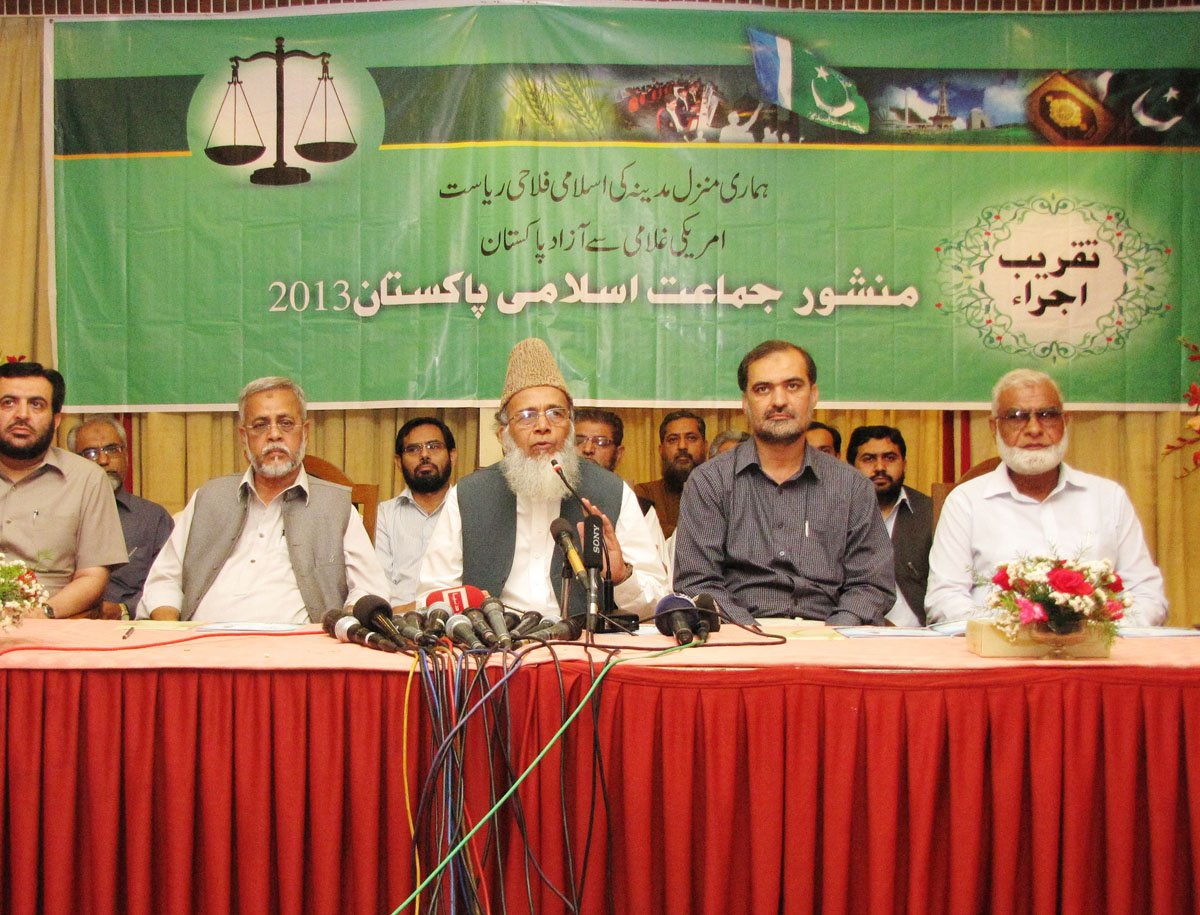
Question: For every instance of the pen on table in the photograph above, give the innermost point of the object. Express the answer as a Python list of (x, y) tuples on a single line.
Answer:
[(128, 633)]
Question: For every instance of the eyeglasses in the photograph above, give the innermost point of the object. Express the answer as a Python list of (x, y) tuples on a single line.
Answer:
[(285, 425), (596, 441), (555, 416), (1019, 419), (416, 448), (93, 454)]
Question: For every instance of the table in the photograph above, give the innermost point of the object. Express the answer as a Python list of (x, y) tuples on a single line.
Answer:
[(262, 774)]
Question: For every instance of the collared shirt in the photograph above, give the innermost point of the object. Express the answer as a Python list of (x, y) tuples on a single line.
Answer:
[(529, 585), (813, 546), (402, 532), (257, 583), (901, 613), (61, 518), (986, 521), (146, 526)]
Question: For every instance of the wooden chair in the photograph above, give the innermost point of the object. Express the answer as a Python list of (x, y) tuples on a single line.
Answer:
[(364, 496), (939, 491)]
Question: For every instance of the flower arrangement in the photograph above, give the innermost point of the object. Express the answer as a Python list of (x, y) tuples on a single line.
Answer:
[(20, 591), (1059, 595), (1193, 422)]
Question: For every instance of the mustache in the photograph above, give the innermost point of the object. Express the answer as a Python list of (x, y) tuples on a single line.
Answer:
[(278, 446)]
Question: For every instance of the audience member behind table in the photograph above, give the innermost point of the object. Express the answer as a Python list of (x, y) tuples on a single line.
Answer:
[(880, 454), (145, 524), (58, 510), (824, 437), (272, 544), (725, 440), (775, 527), (682, 447), (425, 455), (494, 532), (1035, 504)]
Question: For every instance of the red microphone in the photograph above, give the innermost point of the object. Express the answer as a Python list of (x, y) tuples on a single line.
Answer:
[(460, 599)]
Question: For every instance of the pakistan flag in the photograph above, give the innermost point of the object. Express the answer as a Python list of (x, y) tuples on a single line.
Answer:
[(795, 79)]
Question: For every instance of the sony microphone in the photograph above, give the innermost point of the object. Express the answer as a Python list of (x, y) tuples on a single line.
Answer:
[(459, 600), (710, 617), (375, 613), (460, 630), (678, 617), (348, 629), (493, 612), (563, 531), (593, 561)]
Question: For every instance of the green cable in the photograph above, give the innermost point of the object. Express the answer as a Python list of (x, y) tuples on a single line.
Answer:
[(445, 862)]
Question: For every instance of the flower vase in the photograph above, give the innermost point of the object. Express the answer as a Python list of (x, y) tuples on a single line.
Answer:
[(1058, 638)]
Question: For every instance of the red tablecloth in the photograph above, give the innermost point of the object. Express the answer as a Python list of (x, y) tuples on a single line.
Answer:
[(185, 781)]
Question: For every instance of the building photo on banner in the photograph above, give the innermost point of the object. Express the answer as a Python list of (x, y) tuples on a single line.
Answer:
[(462, 457)]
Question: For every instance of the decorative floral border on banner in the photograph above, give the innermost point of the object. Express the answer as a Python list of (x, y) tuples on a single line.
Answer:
[(977, 278)]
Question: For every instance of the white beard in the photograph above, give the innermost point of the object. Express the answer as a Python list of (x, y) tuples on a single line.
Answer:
[(534, 478), (1030, 463), (273, 470)]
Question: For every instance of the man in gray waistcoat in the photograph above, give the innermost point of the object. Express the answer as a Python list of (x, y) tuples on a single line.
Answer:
[(494, 531), (272, 544)]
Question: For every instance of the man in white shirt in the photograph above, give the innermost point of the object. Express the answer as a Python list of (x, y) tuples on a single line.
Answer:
[(273, 545), (425, 454), (494, 531), (1034, 504)]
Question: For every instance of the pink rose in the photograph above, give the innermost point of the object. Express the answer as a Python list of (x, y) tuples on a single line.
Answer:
[(1000, 579), (1031, 612), (1115, 609), (1067, 581)]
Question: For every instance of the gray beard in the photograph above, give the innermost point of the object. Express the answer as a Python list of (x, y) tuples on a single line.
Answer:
[(534, 478), (1032, 463)]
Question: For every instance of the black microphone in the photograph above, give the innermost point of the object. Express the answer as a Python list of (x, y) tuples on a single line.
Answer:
[(493, 612), (329, 620), (678, 617), (567, 630), (483, 628), (564, 532), (348, 629), (593, 561), (710, 616), (375, 613), (562, 475), (436, 615), (460, 630), (412, 627), (530, 620)]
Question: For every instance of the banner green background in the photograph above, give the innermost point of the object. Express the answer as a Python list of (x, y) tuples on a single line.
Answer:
[(168, 264)]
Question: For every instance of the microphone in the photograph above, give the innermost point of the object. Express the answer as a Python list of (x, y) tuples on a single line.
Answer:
[(678, 617), (710, 617), (564, 533), (375, 613), (348, 629), (411, 625), (493, 612), (436, 615), (482, 628), (593, 561), (329, 620), (460, 630), (459, 600), (557, 468), (530, 620), (567, 630)]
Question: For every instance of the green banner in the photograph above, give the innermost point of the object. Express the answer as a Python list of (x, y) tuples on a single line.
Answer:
[(379, 204)]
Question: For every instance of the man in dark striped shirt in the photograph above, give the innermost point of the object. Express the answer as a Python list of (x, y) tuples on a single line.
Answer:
[(776, 528)]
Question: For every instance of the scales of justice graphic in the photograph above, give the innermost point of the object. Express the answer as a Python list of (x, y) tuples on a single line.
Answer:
[(329, 137)]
